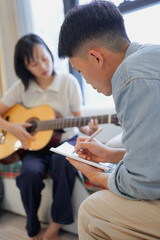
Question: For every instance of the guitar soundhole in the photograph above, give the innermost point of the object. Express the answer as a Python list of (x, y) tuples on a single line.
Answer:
[(33, 127)]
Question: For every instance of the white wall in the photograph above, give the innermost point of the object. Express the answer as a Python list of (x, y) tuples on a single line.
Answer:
[(110, 130)]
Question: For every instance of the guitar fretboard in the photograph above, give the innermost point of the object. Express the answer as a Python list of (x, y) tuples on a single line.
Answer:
[(61, 123)]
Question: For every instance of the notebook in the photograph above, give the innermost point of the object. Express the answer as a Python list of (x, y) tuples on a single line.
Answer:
[(67, 150)]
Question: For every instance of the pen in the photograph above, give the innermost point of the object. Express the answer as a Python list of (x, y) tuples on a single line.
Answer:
[(93, 135)]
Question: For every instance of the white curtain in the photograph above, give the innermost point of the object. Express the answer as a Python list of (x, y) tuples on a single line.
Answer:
[(2, 75), (25, 18), (15, 21), (9, 36)]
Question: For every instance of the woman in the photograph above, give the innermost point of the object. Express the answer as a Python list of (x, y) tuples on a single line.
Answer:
[(39, 84)]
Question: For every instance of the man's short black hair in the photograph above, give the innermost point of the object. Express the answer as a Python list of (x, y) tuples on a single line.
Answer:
[(24, 50), (88, 22)]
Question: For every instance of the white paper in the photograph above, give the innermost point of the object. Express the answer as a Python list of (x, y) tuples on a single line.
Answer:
[(67, 150)]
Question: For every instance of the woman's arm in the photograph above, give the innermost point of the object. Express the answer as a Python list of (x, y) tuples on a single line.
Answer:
[(16, 129), (3, 123)]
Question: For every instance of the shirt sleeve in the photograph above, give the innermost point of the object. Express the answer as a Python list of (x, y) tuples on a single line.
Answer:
[(137, 175), (13, 94)]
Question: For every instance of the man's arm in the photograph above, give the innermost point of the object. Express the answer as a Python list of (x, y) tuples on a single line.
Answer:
[(95, 175), (97, 152)]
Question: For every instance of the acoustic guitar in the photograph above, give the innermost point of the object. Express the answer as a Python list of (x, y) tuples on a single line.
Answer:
[(43, 124)]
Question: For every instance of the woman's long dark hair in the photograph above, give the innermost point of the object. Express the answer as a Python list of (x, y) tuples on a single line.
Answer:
[(24, 49)]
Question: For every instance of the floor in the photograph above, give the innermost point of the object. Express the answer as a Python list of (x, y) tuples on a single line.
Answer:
[(12, 227)]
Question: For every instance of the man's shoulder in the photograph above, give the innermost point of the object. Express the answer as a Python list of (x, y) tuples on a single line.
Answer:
[(143, 62), (140, 54)]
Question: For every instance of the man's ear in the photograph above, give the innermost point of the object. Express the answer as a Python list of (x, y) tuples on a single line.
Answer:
[(96, 56)]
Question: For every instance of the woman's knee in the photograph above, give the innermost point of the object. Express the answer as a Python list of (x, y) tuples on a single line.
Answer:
[(32, 167), (30, 178)]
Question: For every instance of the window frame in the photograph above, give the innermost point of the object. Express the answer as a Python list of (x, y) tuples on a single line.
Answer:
[(128, 6)]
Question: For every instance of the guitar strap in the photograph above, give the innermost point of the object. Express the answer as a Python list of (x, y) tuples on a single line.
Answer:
[(56, 137), (55, 140)]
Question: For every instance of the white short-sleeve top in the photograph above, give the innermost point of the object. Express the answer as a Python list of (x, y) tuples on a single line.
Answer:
[(63, 95)]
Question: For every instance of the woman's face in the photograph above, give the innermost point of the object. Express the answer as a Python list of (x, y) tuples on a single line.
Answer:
[(41, 65)]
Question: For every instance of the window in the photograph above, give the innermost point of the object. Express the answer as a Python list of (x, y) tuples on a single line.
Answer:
[(48, 17), (142, 25)]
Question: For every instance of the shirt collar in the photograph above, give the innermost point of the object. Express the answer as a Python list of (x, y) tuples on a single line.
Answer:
[(54, 86), (132, 48)]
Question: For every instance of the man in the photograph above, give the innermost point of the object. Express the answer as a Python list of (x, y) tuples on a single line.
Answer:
[(94, 38)]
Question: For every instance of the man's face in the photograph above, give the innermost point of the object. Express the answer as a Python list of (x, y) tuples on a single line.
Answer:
[(98, 77)]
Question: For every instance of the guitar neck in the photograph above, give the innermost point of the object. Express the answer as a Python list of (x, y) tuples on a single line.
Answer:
[(61, 123)]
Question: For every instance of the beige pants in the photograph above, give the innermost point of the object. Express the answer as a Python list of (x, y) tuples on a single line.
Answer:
[(104, 215)]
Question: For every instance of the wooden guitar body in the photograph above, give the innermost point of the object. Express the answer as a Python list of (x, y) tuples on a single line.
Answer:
[(10, 144)]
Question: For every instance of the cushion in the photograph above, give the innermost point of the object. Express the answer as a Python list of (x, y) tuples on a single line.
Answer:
[(115, 142), (10, 170), (13, 170)]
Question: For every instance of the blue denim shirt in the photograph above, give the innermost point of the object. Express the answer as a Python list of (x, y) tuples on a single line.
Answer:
[(136, 92)]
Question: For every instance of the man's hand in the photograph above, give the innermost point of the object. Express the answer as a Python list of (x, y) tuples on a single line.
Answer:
[(94, 150), (98, 152)]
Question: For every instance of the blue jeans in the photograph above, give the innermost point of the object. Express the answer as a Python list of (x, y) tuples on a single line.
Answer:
[(35, 166)]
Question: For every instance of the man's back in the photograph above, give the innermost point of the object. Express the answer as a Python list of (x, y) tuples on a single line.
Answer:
[(136, 88)]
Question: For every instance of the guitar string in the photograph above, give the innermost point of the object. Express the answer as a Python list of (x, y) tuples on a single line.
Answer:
[(76, 121)]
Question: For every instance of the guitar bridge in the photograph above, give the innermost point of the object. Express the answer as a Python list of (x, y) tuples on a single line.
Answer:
[(3, 133), (3, 136)]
